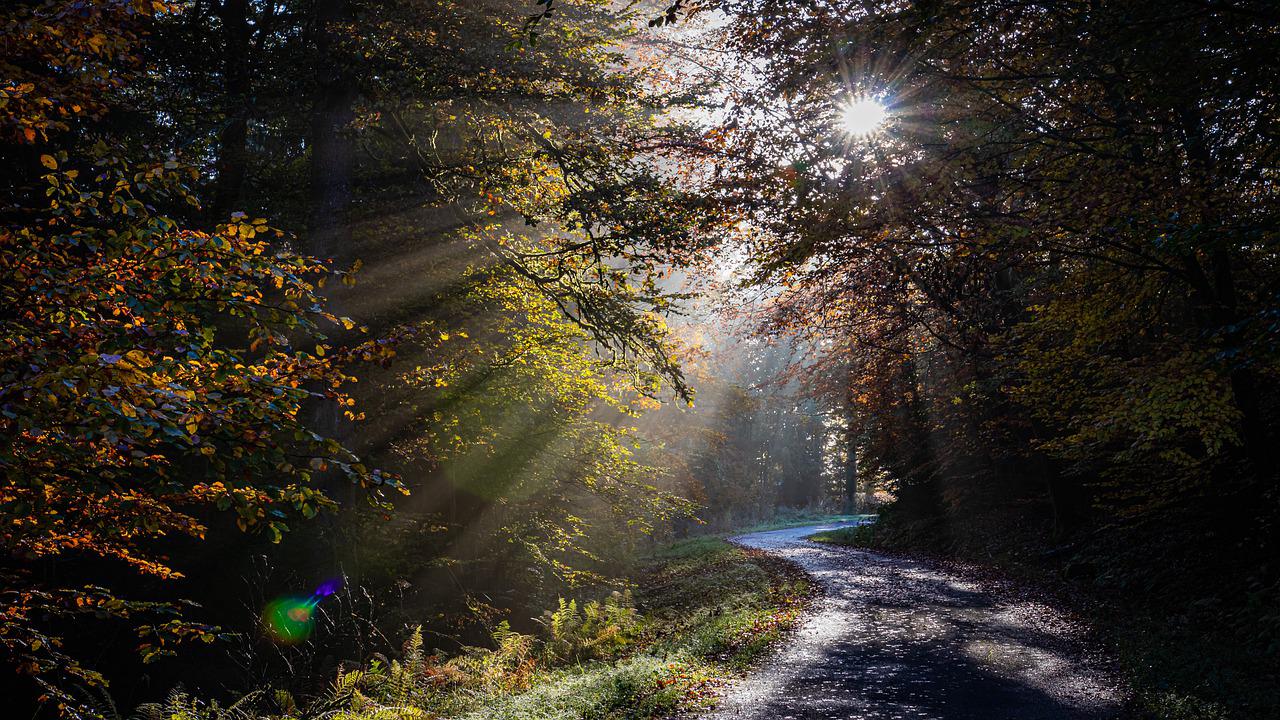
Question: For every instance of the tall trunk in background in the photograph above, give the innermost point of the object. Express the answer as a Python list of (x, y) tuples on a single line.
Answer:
[(237, 91), (329, 196), (1245, 389), (917, 465), (851, 450), (332, 152)]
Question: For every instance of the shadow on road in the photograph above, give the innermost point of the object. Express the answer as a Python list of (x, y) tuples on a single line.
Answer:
[(896, 639)]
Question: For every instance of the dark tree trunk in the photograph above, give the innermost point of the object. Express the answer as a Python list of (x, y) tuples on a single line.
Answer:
[(1244, 384), (332, 153), (332, 160), (228, 189), (1067, 495), (851, 452), (917, 466)]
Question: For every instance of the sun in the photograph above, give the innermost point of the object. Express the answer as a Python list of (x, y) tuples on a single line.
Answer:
[(862, 116)]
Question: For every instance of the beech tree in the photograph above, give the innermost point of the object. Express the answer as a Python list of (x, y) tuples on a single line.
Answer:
[(152, 371)]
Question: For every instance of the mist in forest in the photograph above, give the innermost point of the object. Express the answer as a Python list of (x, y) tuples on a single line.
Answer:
[(420, 358)]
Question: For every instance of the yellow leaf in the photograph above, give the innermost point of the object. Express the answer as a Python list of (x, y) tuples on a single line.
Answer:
[(137, 357), (49, 162)]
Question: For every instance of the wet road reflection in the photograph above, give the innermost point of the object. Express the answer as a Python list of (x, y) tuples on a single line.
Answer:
[(893, 639)]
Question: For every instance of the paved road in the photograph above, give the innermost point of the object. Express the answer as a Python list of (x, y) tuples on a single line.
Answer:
[(895, 639)]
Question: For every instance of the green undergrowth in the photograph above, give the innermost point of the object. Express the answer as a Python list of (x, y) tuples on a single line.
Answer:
[(857, 535), (702, 611)]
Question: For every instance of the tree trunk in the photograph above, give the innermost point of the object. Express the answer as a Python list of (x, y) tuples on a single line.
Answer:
[(332, 158), (1215, 291), (1244, 386), (237, 90), (851, 452), (332, 153)]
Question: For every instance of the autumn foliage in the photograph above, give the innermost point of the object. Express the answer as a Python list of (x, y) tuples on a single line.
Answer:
[(151, 372)]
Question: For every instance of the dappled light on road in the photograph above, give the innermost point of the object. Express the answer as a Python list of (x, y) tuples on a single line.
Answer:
[(896, 639)]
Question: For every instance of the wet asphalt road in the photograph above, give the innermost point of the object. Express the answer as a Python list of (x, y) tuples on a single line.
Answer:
[(895, 639)]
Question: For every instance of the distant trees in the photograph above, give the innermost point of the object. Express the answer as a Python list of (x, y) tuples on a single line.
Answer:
[(755, 441), (1055, 264), (509, 202)]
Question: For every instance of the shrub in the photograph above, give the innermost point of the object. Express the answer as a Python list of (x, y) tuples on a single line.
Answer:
[(601, 629)]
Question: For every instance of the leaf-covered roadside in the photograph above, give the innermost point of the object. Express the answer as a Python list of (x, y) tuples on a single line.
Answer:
[(1177, 669), (703, 610)]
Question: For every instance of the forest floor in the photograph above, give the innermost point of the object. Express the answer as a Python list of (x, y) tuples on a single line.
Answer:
[(697, 615), (707, 611), (899, 638)]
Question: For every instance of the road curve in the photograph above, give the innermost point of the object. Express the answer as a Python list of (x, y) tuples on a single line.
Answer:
[(896, 639)]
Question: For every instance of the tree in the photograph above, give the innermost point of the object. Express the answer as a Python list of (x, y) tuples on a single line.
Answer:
[(1028, 186), (152, 372)]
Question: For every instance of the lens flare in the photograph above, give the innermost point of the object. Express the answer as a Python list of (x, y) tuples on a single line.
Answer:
[(327, 588), (291, 620)]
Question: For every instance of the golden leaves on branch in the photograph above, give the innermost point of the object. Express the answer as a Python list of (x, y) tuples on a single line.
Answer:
[(121, 368)]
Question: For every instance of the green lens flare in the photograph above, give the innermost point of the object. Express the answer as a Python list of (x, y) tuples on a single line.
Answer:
[(290, 620)]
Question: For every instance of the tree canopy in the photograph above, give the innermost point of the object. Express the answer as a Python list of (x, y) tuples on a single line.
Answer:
[(466, 303)]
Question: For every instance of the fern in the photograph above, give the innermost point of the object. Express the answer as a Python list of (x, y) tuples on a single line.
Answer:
[(181, 706), (98, 701), (596, 629), (405, 676), (565, 620), (286, 703)]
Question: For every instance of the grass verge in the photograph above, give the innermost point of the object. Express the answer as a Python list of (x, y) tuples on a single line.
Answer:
[(709, 610), (702, 611), (856, 535)]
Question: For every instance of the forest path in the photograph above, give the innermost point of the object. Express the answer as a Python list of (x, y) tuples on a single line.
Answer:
[(896, 638)]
